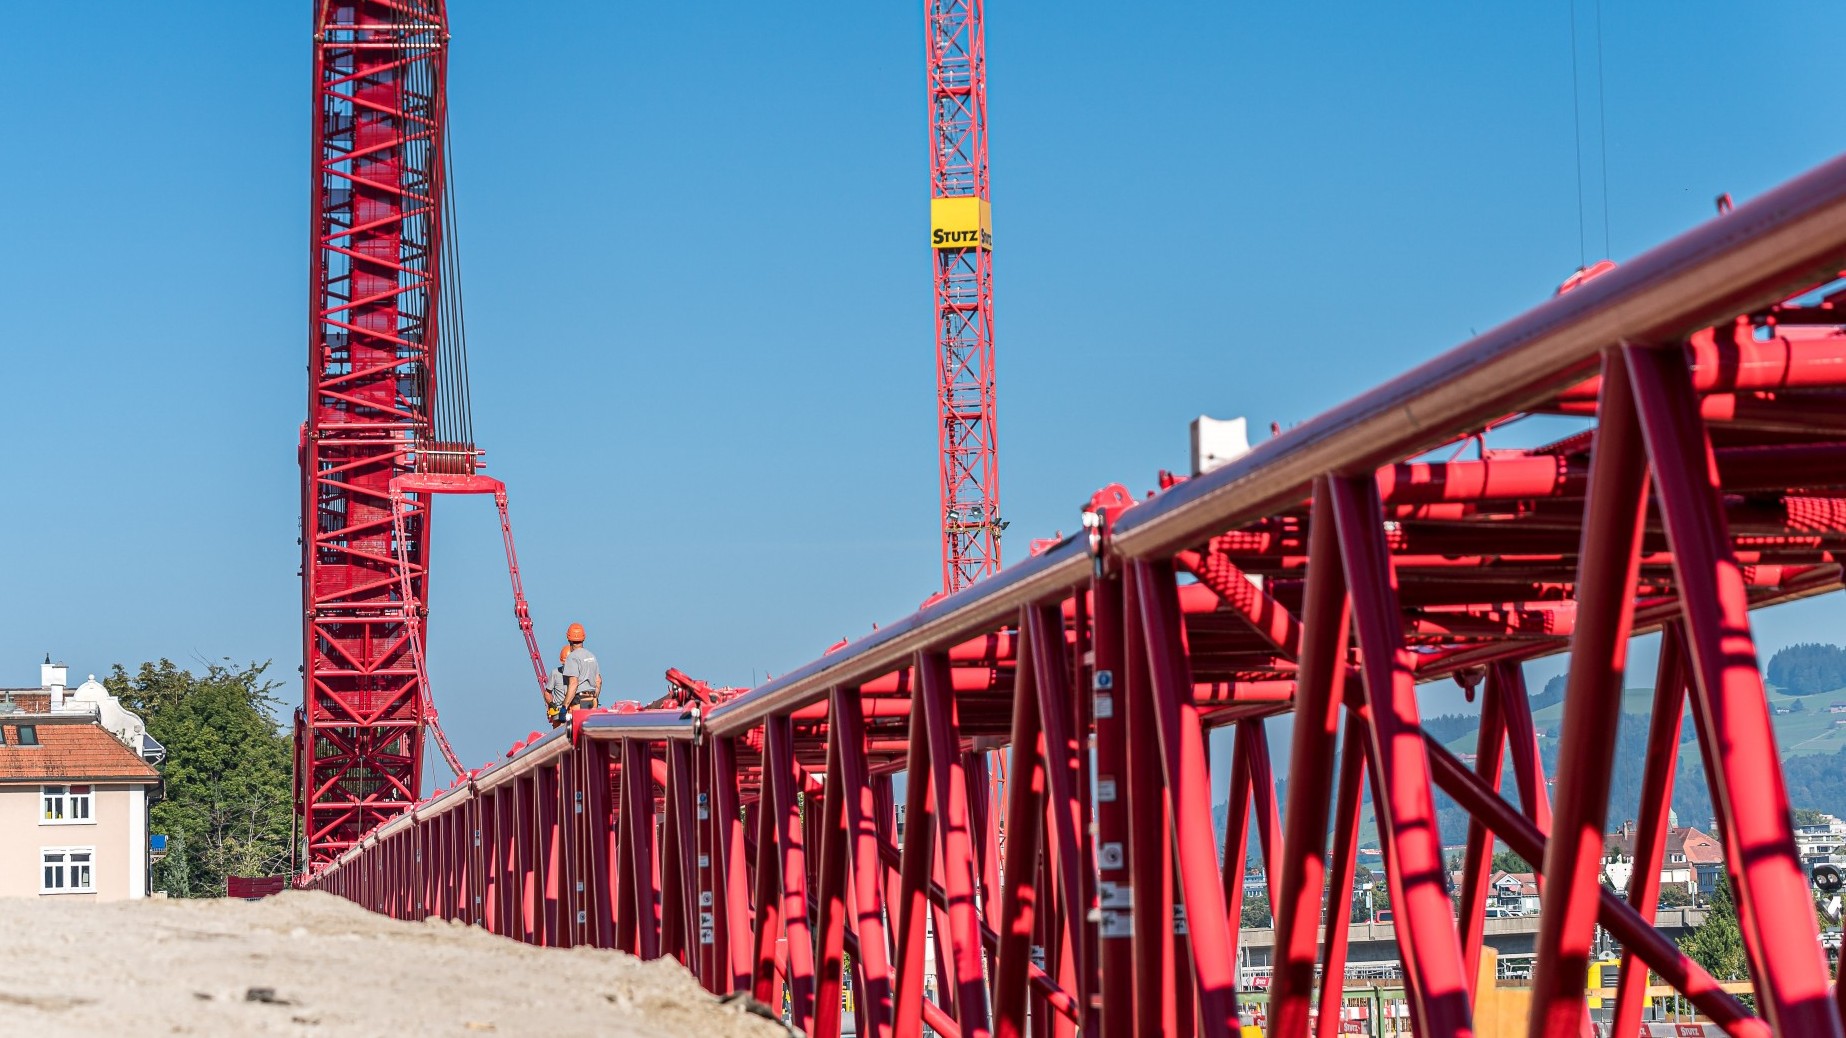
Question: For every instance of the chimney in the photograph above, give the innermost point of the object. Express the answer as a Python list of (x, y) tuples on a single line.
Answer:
[(53, 677)]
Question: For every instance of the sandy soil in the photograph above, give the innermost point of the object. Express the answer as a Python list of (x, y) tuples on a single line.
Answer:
[(314, 964)]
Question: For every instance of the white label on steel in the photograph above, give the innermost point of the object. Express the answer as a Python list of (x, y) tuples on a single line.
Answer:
[(1105, 705), (705, 861), (1110, 856), (1105, 789), (1117, 924), (705, 935), (1110, 894), (1105, 680), (1179, 919), (705, 899)]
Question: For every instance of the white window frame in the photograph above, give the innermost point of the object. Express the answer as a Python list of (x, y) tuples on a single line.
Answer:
[(70, 807), (63, 860)]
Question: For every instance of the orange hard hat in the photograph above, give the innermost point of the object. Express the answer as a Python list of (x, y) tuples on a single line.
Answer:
[(564, 654), (575, 634)]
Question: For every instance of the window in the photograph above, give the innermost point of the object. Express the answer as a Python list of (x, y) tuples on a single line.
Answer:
[(65, 805), (28, 735), (67, 870)]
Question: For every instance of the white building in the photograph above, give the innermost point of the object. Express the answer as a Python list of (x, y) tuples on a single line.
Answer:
[(76, 770)]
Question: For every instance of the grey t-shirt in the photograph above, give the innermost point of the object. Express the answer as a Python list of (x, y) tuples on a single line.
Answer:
[(557, 685), (581, 664)]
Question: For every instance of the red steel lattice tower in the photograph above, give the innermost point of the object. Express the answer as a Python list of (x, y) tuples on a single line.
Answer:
[(961, 238), (377, 205)]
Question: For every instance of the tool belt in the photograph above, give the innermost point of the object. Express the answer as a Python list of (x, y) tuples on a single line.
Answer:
[(558, 713)]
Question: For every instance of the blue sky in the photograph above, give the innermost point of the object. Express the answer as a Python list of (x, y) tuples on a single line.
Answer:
[(698, 289)]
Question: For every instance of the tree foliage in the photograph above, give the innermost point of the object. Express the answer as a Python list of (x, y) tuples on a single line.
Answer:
[(1507, 861), (227, 807), (1808, 668), (1381, 894), (1255, 910), (1717, 943)]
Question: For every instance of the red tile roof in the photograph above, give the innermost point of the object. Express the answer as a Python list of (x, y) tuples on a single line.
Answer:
[(1698, 848), (76, 752)]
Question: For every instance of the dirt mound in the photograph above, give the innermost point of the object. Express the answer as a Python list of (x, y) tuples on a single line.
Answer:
[(310, 963)]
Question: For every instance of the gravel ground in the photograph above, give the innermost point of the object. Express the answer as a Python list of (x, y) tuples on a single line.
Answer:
[(308, 963)]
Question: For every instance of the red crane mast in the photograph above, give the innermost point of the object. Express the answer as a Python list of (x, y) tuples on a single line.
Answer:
[(961, 240), (376, 306)]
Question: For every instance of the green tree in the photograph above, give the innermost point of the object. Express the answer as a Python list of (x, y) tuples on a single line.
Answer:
[(1675, 895), (227, 807), (1717, 943), (1381, 894), (1507, 861), (1255, 910)]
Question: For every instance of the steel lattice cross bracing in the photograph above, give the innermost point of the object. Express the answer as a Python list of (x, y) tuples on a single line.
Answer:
[(961, 249), (374, 297), (759, 839)]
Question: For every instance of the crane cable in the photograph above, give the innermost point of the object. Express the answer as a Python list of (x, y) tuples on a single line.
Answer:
[(1602, 130)]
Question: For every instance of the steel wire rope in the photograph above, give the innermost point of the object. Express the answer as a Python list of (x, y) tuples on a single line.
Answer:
[(1602, 128), (1576, 122)]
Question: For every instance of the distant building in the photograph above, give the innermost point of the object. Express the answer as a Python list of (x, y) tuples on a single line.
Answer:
[(1692, 860), (1819, 842), (76, 771), (1512, 894)]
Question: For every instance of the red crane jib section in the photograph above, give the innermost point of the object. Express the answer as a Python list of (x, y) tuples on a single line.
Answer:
[(961, 244), (377, 239), (758, 837)]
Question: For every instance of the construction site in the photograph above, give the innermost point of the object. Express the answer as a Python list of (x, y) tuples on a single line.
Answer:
[(1003, 814)]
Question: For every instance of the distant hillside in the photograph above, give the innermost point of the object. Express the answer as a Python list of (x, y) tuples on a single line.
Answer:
[(1810, 738)]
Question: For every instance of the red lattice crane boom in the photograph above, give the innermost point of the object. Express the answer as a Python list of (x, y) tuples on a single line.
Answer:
[(376, 309), (961, 240)]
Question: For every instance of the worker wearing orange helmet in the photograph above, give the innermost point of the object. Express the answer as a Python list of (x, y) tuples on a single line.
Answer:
[(583, 677), (555, 689)]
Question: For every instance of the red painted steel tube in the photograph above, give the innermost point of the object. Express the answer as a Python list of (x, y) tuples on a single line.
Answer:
[(860, 806), (911, 904), (1324, 635), (672, 864), (1236, 839), (1477, 859), (1653, 947), (1266, 617), (1055, 995), (1157, 976), (1188, 783), (602, 843), (1522, 747), (1115, 908), (638, 802), (733, 899), (765, 986), (830, 891), (1263, 813), (783, 777), (1339, 879), (1613, 515), (1651, 831), (963, 968), (1019, 894), (1067, 840), (1797, 1000), (1406, 811)]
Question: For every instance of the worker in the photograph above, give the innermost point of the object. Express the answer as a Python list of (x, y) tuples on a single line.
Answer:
[(583, 678), (555, 688)]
